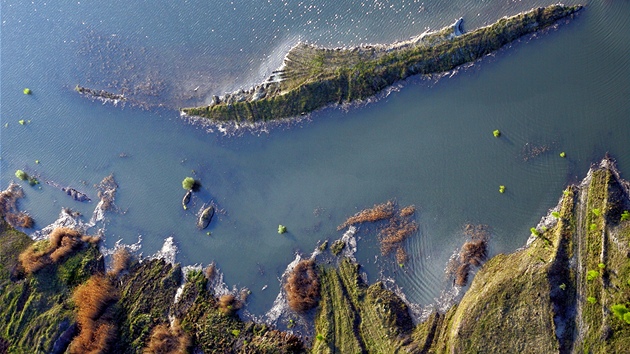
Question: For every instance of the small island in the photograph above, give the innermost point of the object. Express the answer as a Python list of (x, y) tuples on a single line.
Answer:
[(313, 77)]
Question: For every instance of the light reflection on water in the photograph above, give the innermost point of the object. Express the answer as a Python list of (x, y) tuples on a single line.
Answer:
[(430, 144)]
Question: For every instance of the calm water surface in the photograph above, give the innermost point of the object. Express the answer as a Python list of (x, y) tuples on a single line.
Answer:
[(428, 143)]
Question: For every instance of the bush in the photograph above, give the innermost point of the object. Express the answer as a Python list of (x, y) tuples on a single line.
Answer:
[(166, 339), (27, 91), (188, 183), (625, 215), (501, 189), (591, 300), (282, 229), (228, 304), (596, 211), (21, 175), (496, 133), (555, 214), (97, 330), (619, 310), (592, 274), (302, 286)]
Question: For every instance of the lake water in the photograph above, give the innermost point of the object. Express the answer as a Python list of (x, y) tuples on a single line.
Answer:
[(428, 143)]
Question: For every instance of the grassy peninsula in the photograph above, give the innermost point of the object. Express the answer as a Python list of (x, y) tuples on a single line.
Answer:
[(313, 77)]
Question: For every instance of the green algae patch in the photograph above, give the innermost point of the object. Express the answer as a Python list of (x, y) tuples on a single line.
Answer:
[(313, 77)]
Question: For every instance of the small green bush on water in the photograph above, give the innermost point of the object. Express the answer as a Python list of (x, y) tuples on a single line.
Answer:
[(282, 229), (188, 183), (592, 274), (21, 121), (21, 175), (496, 133), (555, 214), (596, 211), (32, 181), (562, 154), (625, 215), (27, 91), (591, 300), (563, 286), (501, 189)]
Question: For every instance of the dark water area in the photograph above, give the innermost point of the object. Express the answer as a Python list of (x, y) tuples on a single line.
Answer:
[(428, 142)]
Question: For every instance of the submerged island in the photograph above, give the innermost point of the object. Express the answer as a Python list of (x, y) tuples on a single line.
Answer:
[(312, 77)]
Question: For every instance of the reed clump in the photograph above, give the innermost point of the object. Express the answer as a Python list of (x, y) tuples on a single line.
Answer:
[(168, 340), (228, 305), (9, 209), (408, 211), (393, 235), (210, 271), (121, 260), (20, 219), (95, 316), (376, 213), (302, 286), (61, 242), (472, 254)]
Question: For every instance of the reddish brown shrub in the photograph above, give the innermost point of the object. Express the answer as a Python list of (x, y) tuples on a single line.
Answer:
[(407, 211), (121, 259), (168, 340), (401, 256), (20, 219), (228, 304), (474, 252), (210, 271), (62, 242), (93, 302), (376, 213), (302, 286), (461, 275), (392, 236), (33, 260)]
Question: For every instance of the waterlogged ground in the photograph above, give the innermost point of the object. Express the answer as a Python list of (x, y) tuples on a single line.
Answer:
[(428, 142)]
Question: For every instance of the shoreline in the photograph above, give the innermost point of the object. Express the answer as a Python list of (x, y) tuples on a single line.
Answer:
[(313, 77)]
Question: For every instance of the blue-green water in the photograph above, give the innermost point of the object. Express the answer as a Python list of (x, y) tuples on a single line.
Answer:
[(429, 143)]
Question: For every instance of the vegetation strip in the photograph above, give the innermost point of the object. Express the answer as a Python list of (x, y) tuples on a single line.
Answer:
[(313, 77)]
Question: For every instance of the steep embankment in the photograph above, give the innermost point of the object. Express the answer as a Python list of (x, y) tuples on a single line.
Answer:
[(314, 77), (556, 295)]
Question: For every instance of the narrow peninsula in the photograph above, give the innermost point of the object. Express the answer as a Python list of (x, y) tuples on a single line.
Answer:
[(313, 77)]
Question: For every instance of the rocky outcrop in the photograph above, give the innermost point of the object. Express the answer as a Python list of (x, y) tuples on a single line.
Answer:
[(314, 77), (100, 94)]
